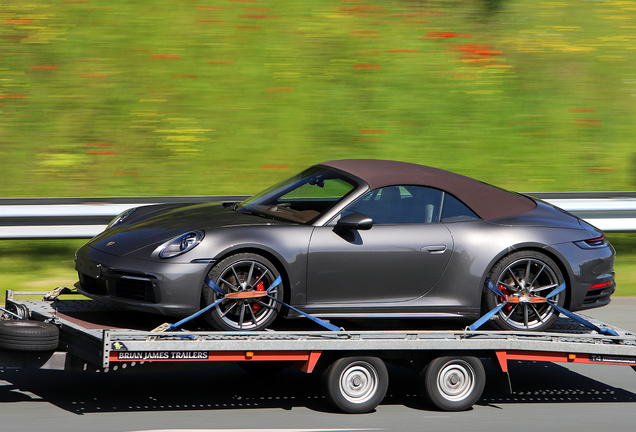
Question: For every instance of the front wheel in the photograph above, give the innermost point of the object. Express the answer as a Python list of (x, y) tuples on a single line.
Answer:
[(249, 274), (356, 384), (453, 383), (525, 278)]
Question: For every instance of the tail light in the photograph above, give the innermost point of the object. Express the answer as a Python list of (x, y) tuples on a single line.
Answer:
[(593, 243)]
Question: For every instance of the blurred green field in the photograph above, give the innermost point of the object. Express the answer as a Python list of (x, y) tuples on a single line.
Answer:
[(110, 98), (120, 98)]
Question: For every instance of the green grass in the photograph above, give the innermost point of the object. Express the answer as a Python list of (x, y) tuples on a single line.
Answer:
[(40, 265), (205, 97)]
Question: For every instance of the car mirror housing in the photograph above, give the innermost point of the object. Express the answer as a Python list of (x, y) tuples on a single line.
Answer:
[(355, 221)]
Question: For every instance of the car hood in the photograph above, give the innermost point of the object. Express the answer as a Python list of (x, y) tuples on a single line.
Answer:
[(159, 224)]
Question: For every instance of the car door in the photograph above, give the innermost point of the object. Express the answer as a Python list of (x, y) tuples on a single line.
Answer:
[(400, 258)]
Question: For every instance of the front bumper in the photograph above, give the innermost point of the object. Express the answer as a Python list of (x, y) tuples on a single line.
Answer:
[(150, 286)]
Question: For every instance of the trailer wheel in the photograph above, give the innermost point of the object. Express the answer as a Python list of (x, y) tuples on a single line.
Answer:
[(453, 383), (356, 384), (27, 335)]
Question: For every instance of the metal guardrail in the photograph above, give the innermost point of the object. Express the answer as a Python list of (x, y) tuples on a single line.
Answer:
[(49, 218), (68, 218)]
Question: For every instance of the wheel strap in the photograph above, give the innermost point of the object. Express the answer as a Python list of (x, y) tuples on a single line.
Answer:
[(554, 292), (209, 282), (174, 327)]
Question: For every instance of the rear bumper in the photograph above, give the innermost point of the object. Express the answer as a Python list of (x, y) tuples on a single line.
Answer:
[(587, 268)]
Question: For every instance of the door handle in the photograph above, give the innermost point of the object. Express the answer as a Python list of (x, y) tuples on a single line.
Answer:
[(435, 249)]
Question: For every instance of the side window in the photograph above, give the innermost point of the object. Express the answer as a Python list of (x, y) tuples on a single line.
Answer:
[(400, 205), (456, 211)]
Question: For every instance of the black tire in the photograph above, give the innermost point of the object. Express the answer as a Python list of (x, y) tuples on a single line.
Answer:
[(356, 384), (509, 275), (453, 383), (247, 314), (25, 335)]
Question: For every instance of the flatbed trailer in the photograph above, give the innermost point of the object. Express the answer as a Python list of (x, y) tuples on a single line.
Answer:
[(352, 363)]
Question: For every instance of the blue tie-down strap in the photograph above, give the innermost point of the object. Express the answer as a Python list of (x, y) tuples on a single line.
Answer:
[(474, 326), (577, 318), (323, 323), (275, 283), (491, 286), (209, 282), (175, 326), (554, 292)]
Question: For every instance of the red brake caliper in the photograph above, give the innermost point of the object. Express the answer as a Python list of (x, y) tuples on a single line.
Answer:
[(259, 287), (505, 292)]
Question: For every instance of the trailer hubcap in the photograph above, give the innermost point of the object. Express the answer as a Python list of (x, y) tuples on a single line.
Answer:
[(456, 380), (359, 382)]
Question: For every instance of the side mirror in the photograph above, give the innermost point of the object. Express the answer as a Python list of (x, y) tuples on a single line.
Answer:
[(355, 221)]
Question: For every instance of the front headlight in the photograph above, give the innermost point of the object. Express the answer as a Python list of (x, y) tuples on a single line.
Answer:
[(180, 245), (120, 218)]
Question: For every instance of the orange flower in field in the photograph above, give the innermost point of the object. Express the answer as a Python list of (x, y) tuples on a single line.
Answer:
[(367, 66), (474, 50), (446, 35), (165, 56), (18, 21)]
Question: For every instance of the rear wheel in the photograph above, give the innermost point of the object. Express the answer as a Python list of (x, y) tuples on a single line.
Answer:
[(525, 278), (453, 383), (356, 384), (245, 272)]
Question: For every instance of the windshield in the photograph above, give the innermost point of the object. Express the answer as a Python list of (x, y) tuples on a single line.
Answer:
[(302, 198)]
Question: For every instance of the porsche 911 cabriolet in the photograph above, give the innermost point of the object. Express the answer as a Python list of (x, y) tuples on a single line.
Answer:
[(353, 239)]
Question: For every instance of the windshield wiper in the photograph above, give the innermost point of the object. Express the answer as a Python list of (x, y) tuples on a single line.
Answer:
[(245, 210)]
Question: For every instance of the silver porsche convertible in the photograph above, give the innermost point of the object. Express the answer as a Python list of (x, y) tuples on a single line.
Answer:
[(353, 239)]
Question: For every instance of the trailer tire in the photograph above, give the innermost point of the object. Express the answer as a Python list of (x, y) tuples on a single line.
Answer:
[(28, 335), (453, 383), (356, 384)]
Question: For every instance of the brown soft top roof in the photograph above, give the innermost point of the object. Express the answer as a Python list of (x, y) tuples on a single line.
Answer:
[(487, 201)]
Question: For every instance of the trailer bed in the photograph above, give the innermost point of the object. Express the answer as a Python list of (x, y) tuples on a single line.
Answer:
[(98, 337), (102, 343)]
